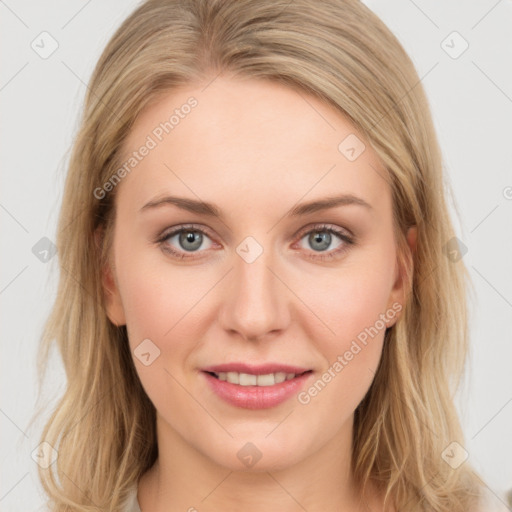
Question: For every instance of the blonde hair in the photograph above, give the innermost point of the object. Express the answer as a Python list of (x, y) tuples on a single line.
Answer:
[(340, 52)]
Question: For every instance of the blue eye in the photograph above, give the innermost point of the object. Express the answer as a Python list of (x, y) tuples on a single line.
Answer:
[(190, 239), (321, 237)]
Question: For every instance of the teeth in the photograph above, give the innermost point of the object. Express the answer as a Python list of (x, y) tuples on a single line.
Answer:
[(246, 379), (279, 377), (266, 380), (233, 377)]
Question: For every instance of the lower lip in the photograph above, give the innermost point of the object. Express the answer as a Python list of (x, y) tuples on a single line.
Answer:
[(256, 397)]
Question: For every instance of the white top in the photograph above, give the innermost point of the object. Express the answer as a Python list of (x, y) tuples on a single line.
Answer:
[(131, 504)]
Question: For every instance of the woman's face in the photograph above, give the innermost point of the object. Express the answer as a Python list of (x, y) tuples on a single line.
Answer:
[(257, 279)]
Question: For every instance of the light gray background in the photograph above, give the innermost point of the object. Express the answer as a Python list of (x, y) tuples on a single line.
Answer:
[(471, 101)]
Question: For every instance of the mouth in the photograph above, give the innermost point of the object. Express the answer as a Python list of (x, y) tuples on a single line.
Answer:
[(262, 380), (256, 387)]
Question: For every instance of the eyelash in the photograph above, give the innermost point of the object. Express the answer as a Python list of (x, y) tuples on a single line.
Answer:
[(322, 228)]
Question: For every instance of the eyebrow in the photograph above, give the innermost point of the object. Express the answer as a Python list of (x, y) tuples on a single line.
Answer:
[(210, 210)]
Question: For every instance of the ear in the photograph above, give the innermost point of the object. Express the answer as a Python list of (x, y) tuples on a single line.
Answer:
[(412, 236), (404, 273), (112, 297)]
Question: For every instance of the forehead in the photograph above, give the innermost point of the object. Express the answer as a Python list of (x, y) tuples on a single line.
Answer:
[(249, 138)]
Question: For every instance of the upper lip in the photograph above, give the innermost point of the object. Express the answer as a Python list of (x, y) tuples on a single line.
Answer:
[(262, 369)]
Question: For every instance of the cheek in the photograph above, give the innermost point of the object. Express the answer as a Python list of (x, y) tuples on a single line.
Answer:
[(157, 298), (349, 300), (164, 307), (352, 306), (352, 348)]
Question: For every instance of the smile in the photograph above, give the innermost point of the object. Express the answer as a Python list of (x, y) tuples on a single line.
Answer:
[(248, 379), (256, 390)]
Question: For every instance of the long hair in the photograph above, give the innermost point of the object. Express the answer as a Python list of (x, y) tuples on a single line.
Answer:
[(103, 427)]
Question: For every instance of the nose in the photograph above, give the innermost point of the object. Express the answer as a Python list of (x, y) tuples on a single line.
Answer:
[(255, 302)]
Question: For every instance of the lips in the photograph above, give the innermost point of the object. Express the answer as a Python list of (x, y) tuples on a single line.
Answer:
[(256, 386)]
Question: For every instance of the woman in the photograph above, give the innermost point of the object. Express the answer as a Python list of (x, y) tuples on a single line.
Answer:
[(303, 351)]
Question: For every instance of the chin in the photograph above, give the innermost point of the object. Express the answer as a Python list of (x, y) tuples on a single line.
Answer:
[(258, 455)]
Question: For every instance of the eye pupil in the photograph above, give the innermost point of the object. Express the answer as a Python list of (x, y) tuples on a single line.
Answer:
[(188, 237), (322, 237)]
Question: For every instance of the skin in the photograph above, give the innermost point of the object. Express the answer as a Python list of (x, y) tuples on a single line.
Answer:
[(255, 149)]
